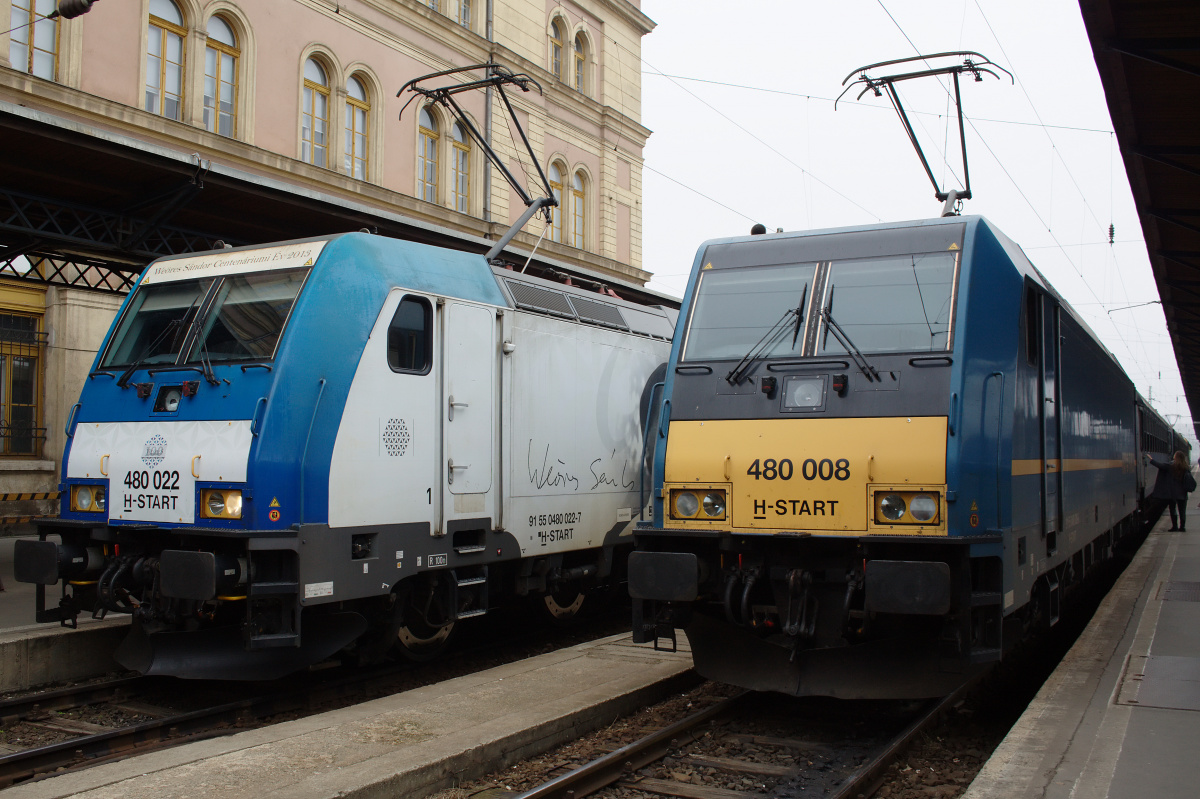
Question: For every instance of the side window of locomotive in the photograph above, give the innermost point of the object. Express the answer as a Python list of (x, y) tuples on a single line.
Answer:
[(901, 303), (1031, 326), (410, 336)]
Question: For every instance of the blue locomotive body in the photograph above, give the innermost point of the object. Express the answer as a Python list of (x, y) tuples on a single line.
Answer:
[(288, 450), (883, 453)]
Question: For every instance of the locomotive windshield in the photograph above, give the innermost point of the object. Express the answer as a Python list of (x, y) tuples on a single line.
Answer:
[(243, 321), (156, 323), (248, 315), (895, 304), (735, 308)]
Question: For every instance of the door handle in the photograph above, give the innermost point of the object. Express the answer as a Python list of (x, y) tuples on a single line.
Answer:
[(454, 405), (450, 467)]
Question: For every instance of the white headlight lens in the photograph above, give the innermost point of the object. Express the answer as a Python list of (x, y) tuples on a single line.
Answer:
[(83, 498), (892, 507), (233, 504), (686, 503), (216, 504), (923, 507), (714, 503)]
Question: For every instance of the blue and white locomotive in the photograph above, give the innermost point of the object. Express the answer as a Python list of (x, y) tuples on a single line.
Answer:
[(882, 454), (350, 441)]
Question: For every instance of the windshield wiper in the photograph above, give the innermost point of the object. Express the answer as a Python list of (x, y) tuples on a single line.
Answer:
[(856, 354), (175, 325), (769, 339)]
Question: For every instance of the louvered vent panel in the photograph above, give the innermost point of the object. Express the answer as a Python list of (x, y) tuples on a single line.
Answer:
[(600, 312), (535, 298)]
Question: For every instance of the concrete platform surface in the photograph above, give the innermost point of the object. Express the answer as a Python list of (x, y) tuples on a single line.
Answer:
[(406, 745), (1120, 716), (33, 654)]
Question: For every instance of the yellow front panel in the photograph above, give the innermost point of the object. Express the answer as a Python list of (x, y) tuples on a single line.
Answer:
[(807, 475)]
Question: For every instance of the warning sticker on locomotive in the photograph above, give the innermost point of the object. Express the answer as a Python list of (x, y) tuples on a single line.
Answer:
[(315, 590)]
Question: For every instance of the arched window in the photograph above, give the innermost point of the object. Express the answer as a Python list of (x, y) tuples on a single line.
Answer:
[(578, 211), (580, 61), (33, 48), (462, 169), (556, 48), (358, 115), (314, 121), (556, 187), (164, 60), (427, 158), (220, 78)]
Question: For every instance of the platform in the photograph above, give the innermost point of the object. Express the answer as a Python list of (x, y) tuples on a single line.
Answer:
[(410, 744), (1120, 716), (33, 654)]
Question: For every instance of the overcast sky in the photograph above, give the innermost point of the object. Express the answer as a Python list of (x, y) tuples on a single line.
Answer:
[(769, 147)]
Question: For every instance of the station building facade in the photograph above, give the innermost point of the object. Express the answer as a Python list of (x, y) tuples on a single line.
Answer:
[(300, 96)]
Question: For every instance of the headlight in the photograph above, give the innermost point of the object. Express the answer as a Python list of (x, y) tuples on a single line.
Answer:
[(221, 503), (686, 504), (87, 499), (714, 504), (923, 507), (891, 507), (897, 506)]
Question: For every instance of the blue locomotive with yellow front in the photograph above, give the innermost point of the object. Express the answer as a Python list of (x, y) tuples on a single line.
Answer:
[(882, 454)]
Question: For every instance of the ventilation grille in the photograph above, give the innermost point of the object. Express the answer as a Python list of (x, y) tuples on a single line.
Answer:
[(396, 437), (600, 312), (539, 299)]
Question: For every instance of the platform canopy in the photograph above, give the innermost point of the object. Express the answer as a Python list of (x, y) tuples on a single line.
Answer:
[(1148, 56)]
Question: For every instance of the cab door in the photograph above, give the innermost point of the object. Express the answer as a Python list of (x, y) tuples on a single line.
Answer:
[(468, 409)]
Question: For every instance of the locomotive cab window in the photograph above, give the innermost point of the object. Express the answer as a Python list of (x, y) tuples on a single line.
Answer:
[(410, 336), (902, 303), (156, 323), (248, 316), (736, 308)]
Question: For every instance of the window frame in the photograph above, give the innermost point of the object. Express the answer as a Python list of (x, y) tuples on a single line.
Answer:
[(235, 53), (557, 231), (30, 30), (427, 311), (579, 210), (310, 92), (165, 29), (31, 348), (460, 169), (350, 130), (580, 62), (556, 48), (428, 160)]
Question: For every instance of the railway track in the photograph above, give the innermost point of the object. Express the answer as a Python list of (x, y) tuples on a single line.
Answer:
[(158, 712), (677, 761)]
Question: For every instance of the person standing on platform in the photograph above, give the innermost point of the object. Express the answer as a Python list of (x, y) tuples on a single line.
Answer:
[(1172, 485)]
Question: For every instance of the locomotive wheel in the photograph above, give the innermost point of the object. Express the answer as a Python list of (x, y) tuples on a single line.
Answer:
[(562, 607), (420, 643)]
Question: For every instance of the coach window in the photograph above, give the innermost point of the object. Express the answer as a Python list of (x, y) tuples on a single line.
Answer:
[(410, 336), (33, 40), (164, 60), (314, 122), (220, 78)]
